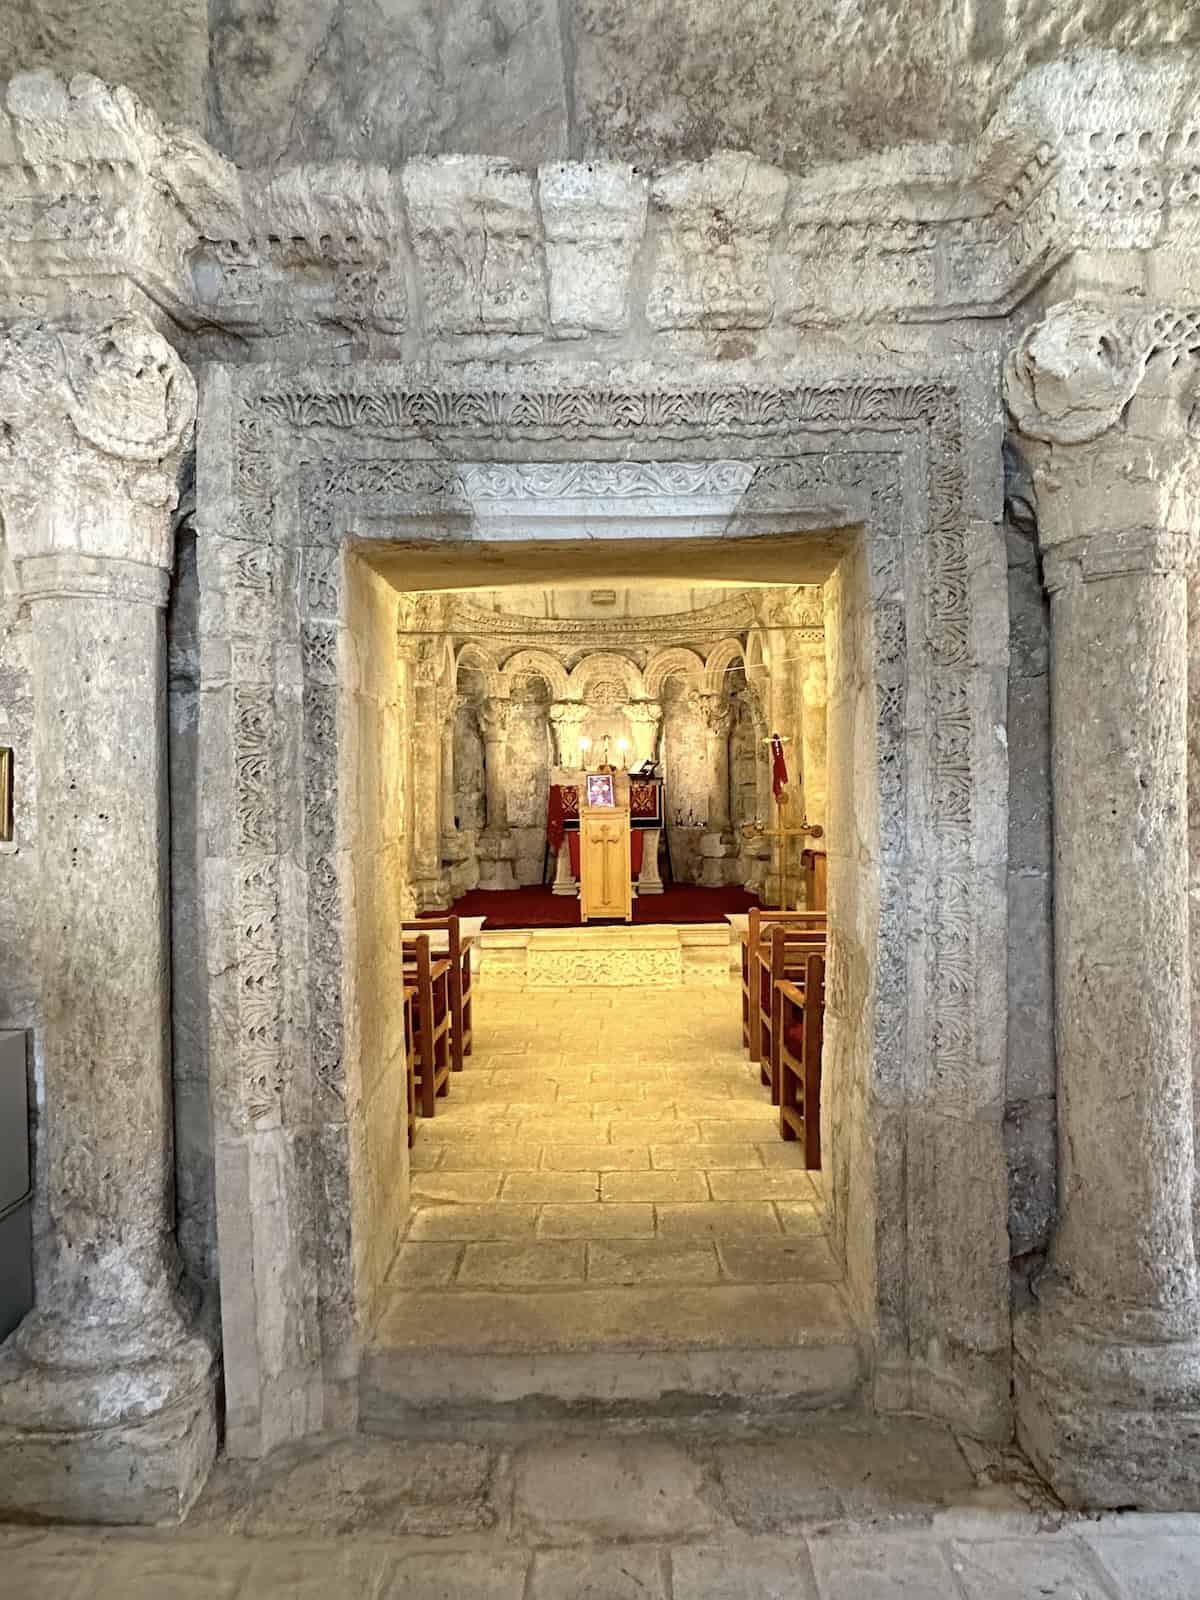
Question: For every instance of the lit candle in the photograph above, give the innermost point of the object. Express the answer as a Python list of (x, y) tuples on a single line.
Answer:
[(585, 744)]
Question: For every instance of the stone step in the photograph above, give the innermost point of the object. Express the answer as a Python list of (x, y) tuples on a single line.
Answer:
[(654, 955), (646, 1352)]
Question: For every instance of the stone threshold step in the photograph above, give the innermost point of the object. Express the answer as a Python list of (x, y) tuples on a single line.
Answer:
[(659, 1352), (658, 955)]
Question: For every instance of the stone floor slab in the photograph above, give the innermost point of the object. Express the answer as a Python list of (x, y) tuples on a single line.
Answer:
[(654, 1186), (1012, 1569), (595, 1157), (1159, 1567), (610, 1489), (749, 1569), (627, 1572), (465, 1575), (713, 1221), (882, 1569), (473, 1222), (595, 1221), (769, 1183), (641, 1261), (521, 1266), (551, 1187), (780, 1260)]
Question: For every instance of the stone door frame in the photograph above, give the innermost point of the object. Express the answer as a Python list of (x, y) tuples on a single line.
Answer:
[(294, 467)]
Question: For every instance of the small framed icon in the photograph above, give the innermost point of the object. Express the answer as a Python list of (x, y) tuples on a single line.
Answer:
[(600, 789), (6, 794)]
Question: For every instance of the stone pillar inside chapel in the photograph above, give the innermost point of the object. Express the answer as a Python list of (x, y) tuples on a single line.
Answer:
[(1102, 395), (110, 1360)]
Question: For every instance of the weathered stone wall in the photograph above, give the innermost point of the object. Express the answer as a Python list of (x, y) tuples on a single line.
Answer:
[(528, 759), (539, 79), (375, 808)]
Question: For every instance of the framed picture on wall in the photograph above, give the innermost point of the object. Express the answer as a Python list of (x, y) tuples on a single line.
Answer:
[(600, 789)]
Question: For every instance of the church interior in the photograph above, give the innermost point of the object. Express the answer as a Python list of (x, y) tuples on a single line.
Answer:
[(600, 799), (606, 783)]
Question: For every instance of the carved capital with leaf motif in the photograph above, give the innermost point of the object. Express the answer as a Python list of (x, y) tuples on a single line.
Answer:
[(1103, 400), (93, 427)]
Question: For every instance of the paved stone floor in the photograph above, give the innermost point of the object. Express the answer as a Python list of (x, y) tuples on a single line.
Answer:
[(604, 1147), (839, 1510)]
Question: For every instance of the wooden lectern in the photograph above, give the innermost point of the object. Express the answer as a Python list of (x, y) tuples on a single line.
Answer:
[(605, 865)]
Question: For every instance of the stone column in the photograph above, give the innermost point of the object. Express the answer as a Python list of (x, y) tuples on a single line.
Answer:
[(717, 714), (107, 1408), (451, 705), (566, 722), (496, 849), (814, 740), (1108, 1363), (645, 716), (428, 884)]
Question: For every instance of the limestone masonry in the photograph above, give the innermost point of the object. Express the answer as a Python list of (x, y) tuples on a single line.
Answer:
[(926, 407)]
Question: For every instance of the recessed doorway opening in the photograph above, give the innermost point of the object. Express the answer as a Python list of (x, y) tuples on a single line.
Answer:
[(604, 1183), (330, 495)]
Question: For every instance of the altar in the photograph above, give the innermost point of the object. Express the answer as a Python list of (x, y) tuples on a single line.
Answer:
[(645, 824)]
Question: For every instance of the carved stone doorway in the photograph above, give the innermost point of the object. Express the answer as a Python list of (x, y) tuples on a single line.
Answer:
[(319, 491)]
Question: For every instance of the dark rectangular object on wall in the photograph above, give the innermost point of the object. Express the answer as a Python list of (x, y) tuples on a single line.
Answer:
[(16, 1206), (16, 1264), (14, 1119)]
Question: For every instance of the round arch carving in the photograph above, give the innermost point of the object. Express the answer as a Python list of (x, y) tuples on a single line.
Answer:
[(477, 659), (718, 661), (677, 662), (541, 662), (603, 667)]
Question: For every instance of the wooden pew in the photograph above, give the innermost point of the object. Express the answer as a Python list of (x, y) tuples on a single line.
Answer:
[(760, 923), (462, 997), (410, 1058), (781, 956), (801, 1040), (431, 1021)]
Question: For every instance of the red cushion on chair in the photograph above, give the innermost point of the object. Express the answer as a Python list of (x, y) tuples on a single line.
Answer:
[(793, 1039)]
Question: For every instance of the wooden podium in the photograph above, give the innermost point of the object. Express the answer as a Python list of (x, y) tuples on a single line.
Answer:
[(605, 863)]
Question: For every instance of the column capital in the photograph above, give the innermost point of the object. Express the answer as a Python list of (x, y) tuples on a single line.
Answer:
[(568, 713), (93, 426), (494, 713), (644, 711), (716, 711), (1102, 398)]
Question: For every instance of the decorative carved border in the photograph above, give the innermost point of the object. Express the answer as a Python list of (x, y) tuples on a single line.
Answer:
[(801, 448)]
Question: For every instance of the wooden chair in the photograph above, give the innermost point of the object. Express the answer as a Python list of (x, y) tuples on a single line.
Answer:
[(760, 924), (431, 1022), (462, 997), (410, 1058), (801, 1041), (762, 920), (783, 955)]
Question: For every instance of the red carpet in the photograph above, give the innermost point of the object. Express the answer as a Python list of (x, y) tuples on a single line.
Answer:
[(537, 907)]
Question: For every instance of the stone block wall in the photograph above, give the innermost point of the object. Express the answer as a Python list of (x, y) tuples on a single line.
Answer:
[(374, 809)]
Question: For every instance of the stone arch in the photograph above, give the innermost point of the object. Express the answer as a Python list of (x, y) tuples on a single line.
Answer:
[(719, 659), (600, 667), (474, 656), (543, 664), (676, 662)]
